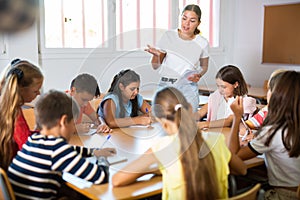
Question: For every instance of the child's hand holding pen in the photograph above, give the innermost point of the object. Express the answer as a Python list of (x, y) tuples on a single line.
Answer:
[(105, 152), (103, 128), (83, 127), (149, 115)]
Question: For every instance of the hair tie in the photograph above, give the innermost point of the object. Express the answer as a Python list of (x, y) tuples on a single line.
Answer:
[(123, 72), (177, 106), (17, 72), (14, 62)]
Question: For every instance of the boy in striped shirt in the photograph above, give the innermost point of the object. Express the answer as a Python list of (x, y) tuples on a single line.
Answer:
[(35, 173)]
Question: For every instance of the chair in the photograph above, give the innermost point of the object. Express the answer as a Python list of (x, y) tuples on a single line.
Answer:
[(6, 192), (232, 185), (298, 192), (29, 117), (95, 102), (252, 194), (266, 83)]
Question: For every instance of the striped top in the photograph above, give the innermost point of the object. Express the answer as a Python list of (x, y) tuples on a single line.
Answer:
[(257, 120), (35, 173)]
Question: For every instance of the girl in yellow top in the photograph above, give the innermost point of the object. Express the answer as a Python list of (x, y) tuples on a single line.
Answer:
[(183, 157)]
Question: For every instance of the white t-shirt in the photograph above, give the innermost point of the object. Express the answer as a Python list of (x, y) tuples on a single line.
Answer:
[(182, 55), (218, 108), (282, 170), (223, 109)]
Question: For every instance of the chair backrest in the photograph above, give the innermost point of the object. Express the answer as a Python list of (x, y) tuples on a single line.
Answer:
[(251, 194), (298, 192), (95, 102), (6, 192), (29, 117)]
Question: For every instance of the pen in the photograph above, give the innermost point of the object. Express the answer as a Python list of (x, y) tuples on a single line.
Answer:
[(247, 130), (147, 111), (107, 138)]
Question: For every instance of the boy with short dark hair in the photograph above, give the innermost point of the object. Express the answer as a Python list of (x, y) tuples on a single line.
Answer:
[(83, 89), (36, 170)]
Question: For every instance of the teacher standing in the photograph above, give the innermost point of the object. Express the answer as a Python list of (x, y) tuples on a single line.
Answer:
[(181, 56)]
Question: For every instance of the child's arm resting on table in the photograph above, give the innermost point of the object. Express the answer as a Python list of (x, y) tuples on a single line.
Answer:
[(71, 161), (201, 112), (87, 152), (83, 127), (100, 125), (104, 152), (226, 122), (109, 109), (137, 168)]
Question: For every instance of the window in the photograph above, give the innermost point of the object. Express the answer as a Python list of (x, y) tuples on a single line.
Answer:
[(119, 24), (75, 23)]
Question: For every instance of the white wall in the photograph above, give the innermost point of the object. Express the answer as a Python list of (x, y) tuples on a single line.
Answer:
[(23, 45), (247, 50), (241, 45), (60, 72)]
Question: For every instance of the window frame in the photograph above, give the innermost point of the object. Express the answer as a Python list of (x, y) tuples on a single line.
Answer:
[(3, 46), (111, 49)]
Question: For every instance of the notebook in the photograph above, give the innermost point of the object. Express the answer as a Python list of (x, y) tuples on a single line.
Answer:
[(78, 182)]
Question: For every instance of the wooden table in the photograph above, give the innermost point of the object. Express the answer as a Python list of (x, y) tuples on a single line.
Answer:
[(255, 92), (131, 142)]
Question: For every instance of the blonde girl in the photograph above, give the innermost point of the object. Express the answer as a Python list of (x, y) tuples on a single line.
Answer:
[(185, 160), (20, 84)]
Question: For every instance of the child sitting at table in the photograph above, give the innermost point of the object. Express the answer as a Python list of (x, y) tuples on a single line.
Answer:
[(35, 173), (120, 107), (20, 84), (83, 89), (191, 167), (230, 83), (278, 138), (256, 121)]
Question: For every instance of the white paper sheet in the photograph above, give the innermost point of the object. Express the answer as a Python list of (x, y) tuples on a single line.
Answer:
[(78, 182), (112, 160), (91, 132)]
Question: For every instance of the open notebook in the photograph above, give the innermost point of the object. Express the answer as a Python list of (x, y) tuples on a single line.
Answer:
[(100, 141)]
